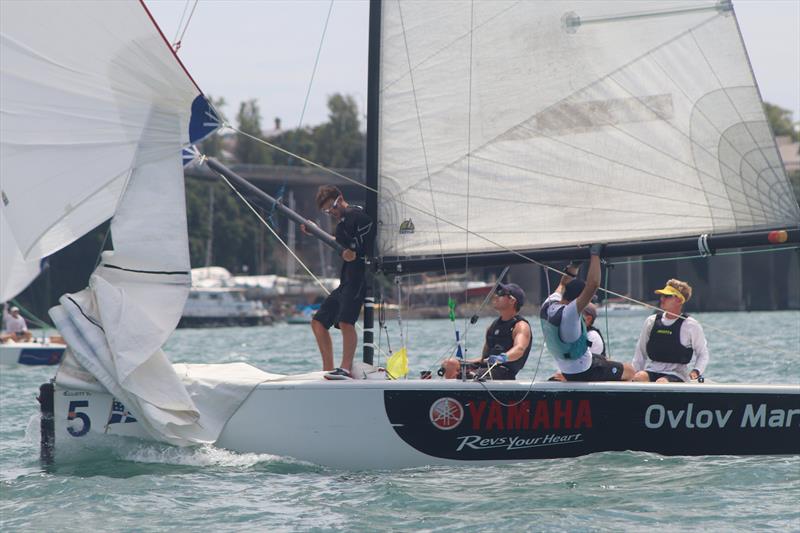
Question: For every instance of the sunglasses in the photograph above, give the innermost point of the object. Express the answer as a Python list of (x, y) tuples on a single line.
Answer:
[(333, 206), (502, 292)]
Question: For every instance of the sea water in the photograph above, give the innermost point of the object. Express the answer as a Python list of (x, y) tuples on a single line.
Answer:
[(120, 484)]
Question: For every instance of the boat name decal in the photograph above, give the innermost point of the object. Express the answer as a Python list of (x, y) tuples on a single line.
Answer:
[(658, 416)]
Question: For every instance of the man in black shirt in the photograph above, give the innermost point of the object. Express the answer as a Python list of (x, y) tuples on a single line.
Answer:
[(343, 306), (508, 340)]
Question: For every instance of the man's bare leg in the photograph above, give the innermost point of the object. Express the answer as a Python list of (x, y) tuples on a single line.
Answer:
[(325, 344), (349, 343)]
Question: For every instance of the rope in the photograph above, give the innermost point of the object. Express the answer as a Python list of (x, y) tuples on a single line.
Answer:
[(450, 301), (461, 228), (177, 44), (282, 189), (275, 234)]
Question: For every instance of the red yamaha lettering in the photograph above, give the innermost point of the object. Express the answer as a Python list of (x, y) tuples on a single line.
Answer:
[(555, 414)]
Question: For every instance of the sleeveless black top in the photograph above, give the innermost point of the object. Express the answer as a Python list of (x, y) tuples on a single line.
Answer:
[(664, 344), (500, 339)]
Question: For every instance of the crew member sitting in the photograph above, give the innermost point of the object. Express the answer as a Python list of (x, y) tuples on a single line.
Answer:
[(597, 344), (669, 341), (508, 341), (15, 327), (565, 332)]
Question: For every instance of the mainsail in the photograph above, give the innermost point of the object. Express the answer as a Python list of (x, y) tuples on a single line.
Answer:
[(96, 110), (518, 125)]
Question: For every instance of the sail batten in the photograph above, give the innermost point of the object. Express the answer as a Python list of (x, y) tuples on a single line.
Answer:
[(554, 128)]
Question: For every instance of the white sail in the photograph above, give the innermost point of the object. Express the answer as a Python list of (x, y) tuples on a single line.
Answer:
[(549, 123), (82, 84), (96, 110)]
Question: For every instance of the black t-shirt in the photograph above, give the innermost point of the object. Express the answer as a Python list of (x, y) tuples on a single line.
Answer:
[(355, 232)]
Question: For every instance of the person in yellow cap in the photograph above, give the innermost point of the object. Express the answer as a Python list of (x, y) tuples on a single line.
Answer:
[(672, 346)]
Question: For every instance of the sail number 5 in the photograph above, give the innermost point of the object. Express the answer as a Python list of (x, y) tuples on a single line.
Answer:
[(76, 428)]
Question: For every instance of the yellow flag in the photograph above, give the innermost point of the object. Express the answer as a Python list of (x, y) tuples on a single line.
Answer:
[(397, 364)]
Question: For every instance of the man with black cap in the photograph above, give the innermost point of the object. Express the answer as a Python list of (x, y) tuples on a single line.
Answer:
[(508, 340), (565, 331)]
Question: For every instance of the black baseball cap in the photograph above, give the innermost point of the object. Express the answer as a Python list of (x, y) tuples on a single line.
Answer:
[(514, 290)]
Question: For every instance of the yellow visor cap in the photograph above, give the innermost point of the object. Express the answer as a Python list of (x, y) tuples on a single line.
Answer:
[(669, 290)]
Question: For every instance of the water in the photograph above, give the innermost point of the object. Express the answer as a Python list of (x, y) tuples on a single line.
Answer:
[(119, 484)]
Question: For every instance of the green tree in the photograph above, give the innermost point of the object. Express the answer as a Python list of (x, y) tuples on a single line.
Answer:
[(248, 149), (339, 142), (780, 120)]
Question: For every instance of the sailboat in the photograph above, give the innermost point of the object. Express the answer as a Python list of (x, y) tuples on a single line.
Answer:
[(644, 118)]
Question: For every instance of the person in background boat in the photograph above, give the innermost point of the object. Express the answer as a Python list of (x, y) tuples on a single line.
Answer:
[(342, 307), (597, 344), (565, 332), (508, 340), (670, 340), (15, 327)]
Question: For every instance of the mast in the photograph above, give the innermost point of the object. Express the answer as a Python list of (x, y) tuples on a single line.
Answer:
[(706, 244), (371, 171)]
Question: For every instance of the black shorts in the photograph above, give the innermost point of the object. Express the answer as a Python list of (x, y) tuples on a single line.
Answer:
[(601, 370), (342, 305), (655, 375)]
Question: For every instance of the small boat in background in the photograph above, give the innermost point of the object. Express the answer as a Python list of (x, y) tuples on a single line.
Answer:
[(44, 352)]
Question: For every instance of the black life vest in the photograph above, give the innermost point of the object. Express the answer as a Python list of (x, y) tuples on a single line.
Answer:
[(500, 339), (664, 344), (592, 328)]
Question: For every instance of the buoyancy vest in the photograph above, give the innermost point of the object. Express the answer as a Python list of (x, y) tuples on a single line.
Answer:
[(592, 328), (664, 344), (552, 336), (500, 339)]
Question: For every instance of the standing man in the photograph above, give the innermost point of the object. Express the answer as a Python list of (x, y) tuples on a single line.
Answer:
[(343, 306), (15, 326), (669, 341), (508, 340), (565, 332)]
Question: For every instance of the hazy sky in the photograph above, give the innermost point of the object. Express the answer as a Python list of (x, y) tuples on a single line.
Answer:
[(265, 49)]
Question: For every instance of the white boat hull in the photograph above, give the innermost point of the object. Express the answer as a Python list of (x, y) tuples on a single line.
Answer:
[(366, 424), (31, 353)]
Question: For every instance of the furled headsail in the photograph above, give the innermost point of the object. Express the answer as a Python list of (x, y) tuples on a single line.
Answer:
[(96, 110), (90, 91), (541, 124)]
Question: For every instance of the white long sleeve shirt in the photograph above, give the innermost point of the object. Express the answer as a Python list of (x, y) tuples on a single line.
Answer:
[(691, 336)]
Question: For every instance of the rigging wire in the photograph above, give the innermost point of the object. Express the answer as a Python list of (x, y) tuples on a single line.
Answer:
[(177, 44), (282, 188), (477, 235), (469, 151), (450, 301), (275, 234)]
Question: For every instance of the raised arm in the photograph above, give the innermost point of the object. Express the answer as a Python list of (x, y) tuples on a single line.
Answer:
[(592, 279)]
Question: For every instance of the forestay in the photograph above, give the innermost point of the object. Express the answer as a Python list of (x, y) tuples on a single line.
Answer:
[(548, 123), (96, 110)]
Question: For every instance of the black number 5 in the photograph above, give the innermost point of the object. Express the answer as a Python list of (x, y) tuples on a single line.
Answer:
[(72, 415)]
